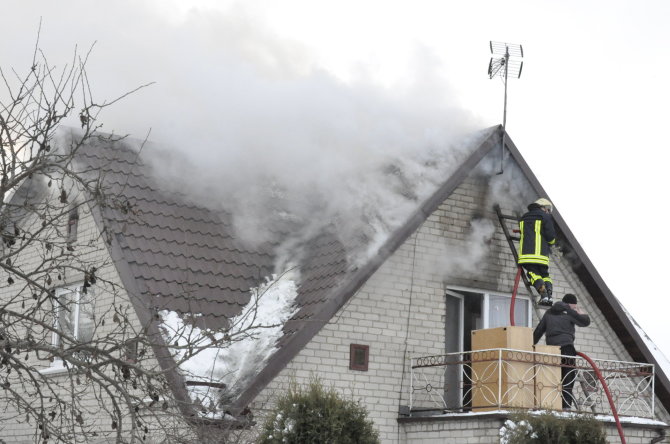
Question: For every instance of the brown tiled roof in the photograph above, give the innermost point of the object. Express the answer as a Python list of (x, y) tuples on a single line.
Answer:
[(182, 256), (173, 254)]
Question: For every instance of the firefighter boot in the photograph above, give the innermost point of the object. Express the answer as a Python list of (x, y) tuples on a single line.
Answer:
[(545, 296), (550, 288)]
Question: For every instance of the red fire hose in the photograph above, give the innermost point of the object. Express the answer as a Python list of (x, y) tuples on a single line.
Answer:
[(609, 395), (596, 370), (511, 305)]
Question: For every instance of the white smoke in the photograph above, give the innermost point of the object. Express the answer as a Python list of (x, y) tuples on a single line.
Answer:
[(260, 128), (507, 185), (464, 258)]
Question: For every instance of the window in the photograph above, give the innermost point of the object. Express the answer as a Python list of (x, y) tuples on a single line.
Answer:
[(358, 357), (468, 310), (498, 311), (72, 224), (485, 309), (73, 315), (131, 351)]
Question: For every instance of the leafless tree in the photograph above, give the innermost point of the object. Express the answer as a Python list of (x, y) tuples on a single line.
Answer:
[(71, 370)]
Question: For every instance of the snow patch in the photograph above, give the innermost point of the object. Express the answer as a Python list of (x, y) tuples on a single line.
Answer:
[(662, 361), (524, 428), (235, 356)]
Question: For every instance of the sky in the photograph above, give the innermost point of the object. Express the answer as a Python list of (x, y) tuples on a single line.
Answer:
[(587, 114)]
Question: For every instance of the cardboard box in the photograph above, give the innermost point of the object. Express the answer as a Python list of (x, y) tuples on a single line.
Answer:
[(548, 377), (502, 379), (518, 338)]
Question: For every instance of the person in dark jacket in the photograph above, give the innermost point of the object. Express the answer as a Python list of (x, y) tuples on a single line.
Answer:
[(537, 234), (558, 326)]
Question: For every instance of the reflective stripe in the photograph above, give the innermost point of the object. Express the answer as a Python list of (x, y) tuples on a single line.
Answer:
[(534, 256), (552, 242), (533, 259), (538, 237), (548, 279), (534, 276), (521, 239)]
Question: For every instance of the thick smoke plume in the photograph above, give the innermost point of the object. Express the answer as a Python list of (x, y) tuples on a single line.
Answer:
[(270, 136), (465, 258), (262, 131)]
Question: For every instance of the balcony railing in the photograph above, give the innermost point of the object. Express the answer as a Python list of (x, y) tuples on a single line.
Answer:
[(503, 379)]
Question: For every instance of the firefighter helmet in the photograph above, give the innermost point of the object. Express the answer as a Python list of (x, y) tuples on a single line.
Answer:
[(544, 203)]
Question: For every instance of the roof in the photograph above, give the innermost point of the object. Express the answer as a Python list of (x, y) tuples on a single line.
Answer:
[(180, 255), (174, 254)]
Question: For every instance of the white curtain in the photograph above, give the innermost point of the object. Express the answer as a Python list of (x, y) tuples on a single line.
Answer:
[(86, 320), (499, 311)]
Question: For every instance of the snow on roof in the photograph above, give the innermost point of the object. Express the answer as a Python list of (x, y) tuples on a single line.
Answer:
[(210, 359), (662, 361)]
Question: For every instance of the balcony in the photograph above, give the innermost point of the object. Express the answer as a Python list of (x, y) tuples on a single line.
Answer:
[(509, 379)]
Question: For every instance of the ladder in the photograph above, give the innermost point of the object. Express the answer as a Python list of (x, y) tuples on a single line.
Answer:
[(502, 218)]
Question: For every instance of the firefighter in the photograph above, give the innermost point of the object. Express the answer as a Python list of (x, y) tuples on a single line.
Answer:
[(537, 234)]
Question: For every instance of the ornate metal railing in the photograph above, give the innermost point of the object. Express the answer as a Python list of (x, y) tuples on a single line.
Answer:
[(502, 379)]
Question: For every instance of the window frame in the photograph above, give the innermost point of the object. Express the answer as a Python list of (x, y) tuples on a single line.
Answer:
[(486, 302), (72, 226), (61, 292), (352, 354)]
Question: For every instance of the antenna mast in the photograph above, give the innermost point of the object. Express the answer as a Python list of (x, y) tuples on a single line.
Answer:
[(510, 64)]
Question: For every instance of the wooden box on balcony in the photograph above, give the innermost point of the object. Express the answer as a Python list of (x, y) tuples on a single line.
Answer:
[(548, 377), (513, 384)]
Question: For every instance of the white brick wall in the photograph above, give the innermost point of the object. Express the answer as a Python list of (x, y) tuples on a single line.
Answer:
[(400, 312), (108, 292)]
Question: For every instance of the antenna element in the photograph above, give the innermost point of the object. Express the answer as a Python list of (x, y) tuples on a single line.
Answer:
[(507, 65), (510, 64)]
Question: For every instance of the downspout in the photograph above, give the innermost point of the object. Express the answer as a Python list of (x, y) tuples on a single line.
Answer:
[(659, 438)]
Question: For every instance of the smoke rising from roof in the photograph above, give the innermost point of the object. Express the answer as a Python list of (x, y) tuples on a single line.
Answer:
[(270, 135), (465, 258), (263, 131), (510, 189)]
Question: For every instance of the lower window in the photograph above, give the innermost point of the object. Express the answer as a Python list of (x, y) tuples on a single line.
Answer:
[(73, 317)]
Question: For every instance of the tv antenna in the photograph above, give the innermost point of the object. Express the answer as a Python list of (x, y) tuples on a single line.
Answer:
[(509, 65)]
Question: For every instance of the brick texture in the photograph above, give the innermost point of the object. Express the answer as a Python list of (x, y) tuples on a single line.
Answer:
[(400, 313)]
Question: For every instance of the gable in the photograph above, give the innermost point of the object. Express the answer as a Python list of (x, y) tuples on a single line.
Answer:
[(400, 312), (612, 313)]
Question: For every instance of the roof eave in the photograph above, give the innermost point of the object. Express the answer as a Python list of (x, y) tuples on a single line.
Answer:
[(148, 321)]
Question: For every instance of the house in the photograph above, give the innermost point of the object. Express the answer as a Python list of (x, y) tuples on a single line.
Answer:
[(356, 319)]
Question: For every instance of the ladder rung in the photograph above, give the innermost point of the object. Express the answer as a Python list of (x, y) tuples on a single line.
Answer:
[(515, 238), (506, 216)]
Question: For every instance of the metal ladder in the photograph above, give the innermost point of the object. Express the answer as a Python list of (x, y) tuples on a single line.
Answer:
[(502, 218)]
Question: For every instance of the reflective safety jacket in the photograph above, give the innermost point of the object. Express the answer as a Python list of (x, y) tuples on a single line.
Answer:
[(537, 233)]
